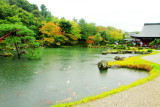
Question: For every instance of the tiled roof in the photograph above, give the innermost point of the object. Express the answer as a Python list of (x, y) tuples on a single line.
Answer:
[(150, 30)]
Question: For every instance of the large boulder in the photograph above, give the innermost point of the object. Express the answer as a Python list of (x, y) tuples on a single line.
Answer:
[(102, 65)]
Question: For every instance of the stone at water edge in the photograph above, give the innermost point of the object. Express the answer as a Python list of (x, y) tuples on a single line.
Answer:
[(119, 58), (102, 65)]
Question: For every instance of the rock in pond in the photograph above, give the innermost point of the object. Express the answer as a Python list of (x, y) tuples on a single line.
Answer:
[(102, 65), (119, 58), (104, 52)]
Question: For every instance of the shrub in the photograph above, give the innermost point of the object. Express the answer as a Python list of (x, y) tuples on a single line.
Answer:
[(130, 44), (140, 48), (149, 50), (128, 47), (107, 45), (121, 47)]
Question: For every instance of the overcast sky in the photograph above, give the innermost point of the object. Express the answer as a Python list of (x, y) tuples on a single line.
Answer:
[(128, 15)]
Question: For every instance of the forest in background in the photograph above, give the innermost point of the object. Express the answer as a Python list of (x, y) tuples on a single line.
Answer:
[(28, 28)]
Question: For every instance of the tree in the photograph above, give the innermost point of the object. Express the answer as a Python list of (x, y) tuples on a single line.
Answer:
[(98, 38), (103, 31), (94, 39), (43, 10), (6, 10), (51, 34), (11, 14), (83, 25), (116, 35), (75, 30), (87, 29), (22, 39), (65, 26), (90, 39), (155, 43), (24, 4)]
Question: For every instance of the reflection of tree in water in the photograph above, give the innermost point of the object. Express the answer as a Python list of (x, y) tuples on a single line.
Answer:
[(14, 72)]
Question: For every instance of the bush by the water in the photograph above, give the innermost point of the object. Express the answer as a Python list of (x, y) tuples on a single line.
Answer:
[(150, 50)]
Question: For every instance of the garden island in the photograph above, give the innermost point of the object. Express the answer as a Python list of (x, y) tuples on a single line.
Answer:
[(51, 61)]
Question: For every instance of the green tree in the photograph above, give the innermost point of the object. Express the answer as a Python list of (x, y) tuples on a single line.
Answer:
[(87, 29), (65, 26), (15, 15), (43, 10), (24, 4), (21, 38), (98, 38), (74, 35), (155, 43)]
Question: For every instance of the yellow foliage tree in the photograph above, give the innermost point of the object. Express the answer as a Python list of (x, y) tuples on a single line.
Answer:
[(51, 34), (116, 34)]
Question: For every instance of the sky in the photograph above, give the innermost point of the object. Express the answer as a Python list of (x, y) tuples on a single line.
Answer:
[(128, 15)]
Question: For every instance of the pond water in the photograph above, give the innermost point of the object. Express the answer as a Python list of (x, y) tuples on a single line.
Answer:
[(62, 74)]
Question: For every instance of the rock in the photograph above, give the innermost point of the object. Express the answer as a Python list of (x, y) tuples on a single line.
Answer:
[(119, 52), (119, 58), (104, 52), (123, 52), (114, 52), (102, 65), (133, 52), (114, 66), (129, 51)]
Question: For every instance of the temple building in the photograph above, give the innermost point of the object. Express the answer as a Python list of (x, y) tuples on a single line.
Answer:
[(150, 32)]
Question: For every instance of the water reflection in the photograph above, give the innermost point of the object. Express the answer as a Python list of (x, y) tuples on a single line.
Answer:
[(103, 72), (14, 72)]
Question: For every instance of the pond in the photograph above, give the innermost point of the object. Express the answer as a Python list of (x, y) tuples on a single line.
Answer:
[(62, 74)]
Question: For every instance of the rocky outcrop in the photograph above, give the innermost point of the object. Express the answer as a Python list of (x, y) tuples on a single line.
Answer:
[(102, 65)]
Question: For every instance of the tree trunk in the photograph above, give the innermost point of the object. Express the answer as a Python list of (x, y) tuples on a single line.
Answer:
[(18, 54), (3, 37)]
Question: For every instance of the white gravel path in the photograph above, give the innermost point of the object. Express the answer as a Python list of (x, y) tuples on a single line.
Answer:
[(153, 58), (145, 95)]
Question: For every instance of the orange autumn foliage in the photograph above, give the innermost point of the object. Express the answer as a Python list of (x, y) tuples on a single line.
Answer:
[(90, 40), (51, 34), (51, 29)]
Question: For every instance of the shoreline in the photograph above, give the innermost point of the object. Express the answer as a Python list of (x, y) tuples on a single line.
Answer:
[(89, 101)]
